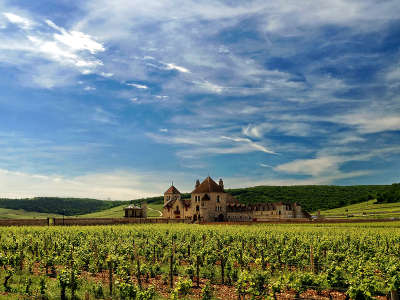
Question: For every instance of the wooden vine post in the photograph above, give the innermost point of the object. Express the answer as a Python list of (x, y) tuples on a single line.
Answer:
[(198, 270), (312, 258), (394, 295), (171, 267)]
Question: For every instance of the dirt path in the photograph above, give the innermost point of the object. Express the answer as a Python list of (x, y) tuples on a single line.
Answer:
[(155, 210)]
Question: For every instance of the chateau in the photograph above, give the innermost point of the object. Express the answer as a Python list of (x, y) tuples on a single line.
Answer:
[(209, 203)]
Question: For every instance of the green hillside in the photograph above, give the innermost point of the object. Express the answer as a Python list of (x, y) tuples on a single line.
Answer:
[(55, 205), (311, 197), (368, 209), (6, 213), (153, 210)]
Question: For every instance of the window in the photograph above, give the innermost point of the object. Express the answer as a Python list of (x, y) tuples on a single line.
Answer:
[(217, 198), (203, 203), (197, 208)]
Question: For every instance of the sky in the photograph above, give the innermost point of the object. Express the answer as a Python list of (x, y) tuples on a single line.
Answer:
[(117, 99)]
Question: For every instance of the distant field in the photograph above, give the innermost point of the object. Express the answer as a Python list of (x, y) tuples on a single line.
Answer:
[(118, 212), (6, 213), (115, 212), (365, 209)]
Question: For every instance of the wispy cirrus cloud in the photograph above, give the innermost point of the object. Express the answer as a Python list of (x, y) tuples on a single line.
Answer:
[(202, 143), (138, 86), (64, 51), (18, 20)]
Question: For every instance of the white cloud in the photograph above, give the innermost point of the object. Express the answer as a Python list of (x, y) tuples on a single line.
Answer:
[(171, 66), (163, 130), (162, 97), (314, 166), (371, 121), (327, 164), (76, 40), (204, 143), (106, 74), (54, 51), (242, 181), (66, 53), (138, 86), (117, 185), (89, 88), (209, 86), (265, 165), (18, 20), (250, 143)]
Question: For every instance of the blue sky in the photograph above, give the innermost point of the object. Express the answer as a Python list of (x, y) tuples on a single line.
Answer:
[(115, 99)]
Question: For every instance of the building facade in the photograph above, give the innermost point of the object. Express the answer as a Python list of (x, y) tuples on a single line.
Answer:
[(210, 203), (133, 211)]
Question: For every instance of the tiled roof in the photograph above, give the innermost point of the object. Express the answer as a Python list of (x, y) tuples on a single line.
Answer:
[(208, 186), (132, 207), (172, 190)]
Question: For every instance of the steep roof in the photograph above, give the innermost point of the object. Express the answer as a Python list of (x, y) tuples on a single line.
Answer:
[(132, 207), (172, 190), (208, 186)]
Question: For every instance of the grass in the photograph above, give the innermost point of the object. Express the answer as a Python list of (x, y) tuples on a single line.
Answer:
[(115, 212), (6, 213), (369, 209), (118, 212)]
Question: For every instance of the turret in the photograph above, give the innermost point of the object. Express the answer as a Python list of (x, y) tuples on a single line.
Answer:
[(171, 194), (221, 183), (144, 210), (197, 183)]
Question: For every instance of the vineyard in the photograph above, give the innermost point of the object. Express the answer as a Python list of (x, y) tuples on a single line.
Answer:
[(164, 261)]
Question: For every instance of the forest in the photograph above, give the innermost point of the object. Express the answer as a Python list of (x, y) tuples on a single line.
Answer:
[(62, 206)]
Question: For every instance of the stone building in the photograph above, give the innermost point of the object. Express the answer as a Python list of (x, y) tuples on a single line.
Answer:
[(209, 202), (133, 211)]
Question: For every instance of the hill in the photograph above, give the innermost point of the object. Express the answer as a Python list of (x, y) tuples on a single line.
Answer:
[(367, 209), (153, 210), (55, 205), (310, 197), (6, 213)]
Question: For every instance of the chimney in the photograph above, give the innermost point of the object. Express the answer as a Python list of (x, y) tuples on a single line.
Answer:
[(221, 183), (197, 183)]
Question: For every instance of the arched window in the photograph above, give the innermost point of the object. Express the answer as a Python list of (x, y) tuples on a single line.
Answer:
[(197, 208), (217, 198)]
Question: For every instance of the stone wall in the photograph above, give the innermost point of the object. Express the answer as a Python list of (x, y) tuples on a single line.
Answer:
[(24, 222)]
